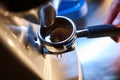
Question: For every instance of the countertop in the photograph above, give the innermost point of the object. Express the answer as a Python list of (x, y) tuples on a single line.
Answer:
[(99, 57)]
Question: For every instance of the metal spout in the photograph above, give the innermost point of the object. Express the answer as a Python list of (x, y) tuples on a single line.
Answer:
[(47, 15)]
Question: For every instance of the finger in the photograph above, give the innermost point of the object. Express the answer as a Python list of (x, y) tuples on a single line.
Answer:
[(113, 11), (116, 21), (116, 39)]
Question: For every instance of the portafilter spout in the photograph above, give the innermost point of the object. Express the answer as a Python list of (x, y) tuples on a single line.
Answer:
[(47, 15)]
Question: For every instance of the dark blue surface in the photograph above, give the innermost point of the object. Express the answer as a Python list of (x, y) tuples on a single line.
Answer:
[(67, 7)]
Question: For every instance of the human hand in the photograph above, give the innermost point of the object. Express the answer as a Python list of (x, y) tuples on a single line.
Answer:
[(114, 16)]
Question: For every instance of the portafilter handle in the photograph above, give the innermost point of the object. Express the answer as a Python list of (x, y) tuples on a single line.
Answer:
[(99, 31)]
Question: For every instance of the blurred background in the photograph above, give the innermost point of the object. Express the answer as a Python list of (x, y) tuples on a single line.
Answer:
[(99, 57)]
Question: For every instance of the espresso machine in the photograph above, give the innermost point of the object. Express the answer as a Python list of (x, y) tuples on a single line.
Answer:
[(28, 53)]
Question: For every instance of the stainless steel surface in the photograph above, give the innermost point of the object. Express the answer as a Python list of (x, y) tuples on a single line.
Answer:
[(33, 63), (99, 57), (15, 53)]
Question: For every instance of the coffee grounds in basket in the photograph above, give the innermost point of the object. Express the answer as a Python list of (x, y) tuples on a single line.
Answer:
[(59, 34)]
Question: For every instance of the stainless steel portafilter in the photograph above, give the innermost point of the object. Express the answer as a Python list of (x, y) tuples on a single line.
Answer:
[(60, 37)]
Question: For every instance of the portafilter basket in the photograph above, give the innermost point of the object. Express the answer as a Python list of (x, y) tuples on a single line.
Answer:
[(58, 37)]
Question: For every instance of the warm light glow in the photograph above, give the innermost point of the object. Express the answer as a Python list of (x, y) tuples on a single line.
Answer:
[(10, 42)]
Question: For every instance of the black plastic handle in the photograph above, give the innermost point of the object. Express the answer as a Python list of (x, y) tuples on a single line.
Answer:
[(99, 31), (103, 31)]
